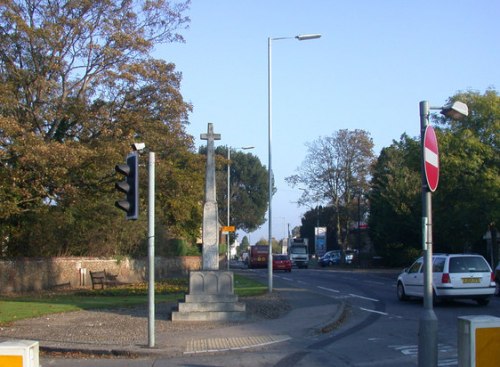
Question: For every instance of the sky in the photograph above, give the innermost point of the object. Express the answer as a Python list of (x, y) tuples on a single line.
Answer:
[(375, 61)]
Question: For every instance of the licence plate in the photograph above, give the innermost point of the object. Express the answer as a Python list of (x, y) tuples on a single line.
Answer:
[(470, 280)]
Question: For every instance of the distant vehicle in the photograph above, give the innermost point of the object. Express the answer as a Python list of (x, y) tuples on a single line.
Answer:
[(350, 256), (282, 262), (330, 258), (298, 251), (259, 256), (454, 276)]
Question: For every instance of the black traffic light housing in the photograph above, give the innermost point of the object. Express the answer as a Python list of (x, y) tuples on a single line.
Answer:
[(130, 186)]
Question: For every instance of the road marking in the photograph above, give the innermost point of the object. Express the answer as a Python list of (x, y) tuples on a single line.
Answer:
[(213, 345), (412, 351), (328, 289), (374, 311), (289, 279), (367, 298), (448, 362)]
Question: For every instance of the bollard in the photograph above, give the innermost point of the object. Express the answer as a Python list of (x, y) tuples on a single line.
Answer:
[(19, 353), (478, 341)]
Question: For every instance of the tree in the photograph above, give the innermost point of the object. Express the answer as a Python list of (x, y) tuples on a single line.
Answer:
[(335, 169), (395, 201), (323, 217), (467, 199), (78, 86), (245, 244), (248, 189), (275, 244)]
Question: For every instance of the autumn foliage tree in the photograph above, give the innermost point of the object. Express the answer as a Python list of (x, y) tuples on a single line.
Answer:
[(77, 87), (467, 200), (334, 172)]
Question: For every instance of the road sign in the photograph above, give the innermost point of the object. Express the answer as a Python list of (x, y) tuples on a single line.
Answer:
[(431, 158), (228, 228)]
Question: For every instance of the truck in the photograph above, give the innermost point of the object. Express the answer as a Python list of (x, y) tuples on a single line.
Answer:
[(298, 251), (259, 256)]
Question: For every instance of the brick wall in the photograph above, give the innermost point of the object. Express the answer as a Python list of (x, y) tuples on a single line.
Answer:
[(32, 274)]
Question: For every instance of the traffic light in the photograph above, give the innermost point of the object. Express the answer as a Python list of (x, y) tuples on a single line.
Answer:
[(130, 186)]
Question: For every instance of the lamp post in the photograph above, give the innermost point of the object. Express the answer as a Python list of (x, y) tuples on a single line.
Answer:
[(303, 37), (229, 198), (428, 323)]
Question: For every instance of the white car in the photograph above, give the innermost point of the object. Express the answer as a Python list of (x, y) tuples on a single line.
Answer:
[(454, 276)]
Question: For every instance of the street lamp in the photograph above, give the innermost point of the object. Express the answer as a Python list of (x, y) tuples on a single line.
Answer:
[(302, 37), (428, 323), (229, 198)]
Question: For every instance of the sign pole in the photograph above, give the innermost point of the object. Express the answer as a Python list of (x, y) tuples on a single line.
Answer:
[(151, 250), (428, 323)]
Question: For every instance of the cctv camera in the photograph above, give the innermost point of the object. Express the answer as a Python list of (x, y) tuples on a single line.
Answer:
[(138, 146)]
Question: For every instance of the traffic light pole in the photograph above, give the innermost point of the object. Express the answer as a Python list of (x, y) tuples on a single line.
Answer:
[(151, 250)]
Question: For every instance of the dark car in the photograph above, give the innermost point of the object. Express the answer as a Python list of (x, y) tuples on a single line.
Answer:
[(351, 256), (282, 262), (330, 258)]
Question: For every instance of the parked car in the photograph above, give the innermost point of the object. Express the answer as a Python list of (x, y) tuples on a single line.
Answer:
[(454, 276), (282, 262), (330, 258)]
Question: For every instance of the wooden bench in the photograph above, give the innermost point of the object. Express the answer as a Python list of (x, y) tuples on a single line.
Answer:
[(101, 277)]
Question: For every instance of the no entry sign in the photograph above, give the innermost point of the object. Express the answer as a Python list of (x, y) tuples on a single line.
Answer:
[(431, 158)]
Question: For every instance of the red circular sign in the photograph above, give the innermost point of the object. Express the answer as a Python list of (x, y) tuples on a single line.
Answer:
[(431, 158)]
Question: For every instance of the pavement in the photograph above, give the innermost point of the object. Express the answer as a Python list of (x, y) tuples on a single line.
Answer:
[(123, 333)]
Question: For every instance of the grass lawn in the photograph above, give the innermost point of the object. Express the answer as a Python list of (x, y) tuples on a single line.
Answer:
[(44, 303)]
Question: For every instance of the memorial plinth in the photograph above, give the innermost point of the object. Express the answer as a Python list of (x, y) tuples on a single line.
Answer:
[(211, 291), (211, 298)]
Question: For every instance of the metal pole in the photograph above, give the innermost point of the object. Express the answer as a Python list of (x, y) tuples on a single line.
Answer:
[(303, 37), (428, 323), (228, 201), (151, 250), (270, 170)]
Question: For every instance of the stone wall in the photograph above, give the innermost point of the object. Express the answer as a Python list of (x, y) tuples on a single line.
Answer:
[(33, 274)]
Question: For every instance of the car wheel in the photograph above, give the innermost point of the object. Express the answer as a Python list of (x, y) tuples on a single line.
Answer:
[(436, 300), (330, 263), (401, 292), (482, 301)]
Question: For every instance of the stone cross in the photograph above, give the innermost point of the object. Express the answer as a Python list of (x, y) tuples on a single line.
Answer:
[(210, 212)]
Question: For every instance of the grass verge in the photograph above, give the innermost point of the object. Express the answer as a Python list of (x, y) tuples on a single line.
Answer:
[(15, 308)]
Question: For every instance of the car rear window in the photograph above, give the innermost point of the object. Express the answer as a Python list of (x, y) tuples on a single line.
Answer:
[(468, 264), (280, 257), (438, 265)]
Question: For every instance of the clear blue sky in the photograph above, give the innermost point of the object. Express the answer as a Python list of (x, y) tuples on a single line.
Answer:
[(375, 61)]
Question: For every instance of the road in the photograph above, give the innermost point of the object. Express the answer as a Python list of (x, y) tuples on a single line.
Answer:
[(378, 330)]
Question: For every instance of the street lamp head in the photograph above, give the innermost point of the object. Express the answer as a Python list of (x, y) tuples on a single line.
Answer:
[(138, 146), (456, 110), (305, 37), (247, 148)]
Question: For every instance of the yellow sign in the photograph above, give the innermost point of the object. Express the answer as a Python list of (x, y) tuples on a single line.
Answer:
[(11, 361), (228, 229), (487, 351)]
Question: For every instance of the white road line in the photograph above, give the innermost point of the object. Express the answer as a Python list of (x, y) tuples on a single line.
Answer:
[(367, 298), (289, 279), (328, 289), (374, 311)]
